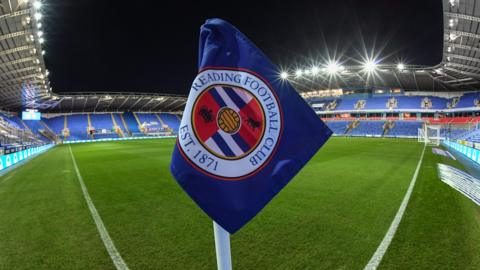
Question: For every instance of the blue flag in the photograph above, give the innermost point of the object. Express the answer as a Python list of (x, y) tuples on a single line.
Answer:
[(245, 133)]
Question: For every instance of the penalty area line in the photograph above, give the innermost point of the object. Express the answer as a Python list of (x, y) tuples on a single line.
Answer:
[(107, 241), (382, 248)]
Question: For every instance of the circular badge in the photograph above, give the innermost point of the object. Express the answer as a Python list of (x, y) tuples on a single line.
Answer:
[(231, 125)]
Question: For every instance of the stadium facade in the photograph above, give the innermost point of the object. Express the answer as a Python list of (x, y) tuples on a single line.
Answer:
[(373, 99), (337, 216)]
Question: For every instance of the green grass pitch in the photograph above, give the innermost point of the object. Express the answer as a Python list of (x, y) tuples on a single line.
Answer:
[(333, 214)]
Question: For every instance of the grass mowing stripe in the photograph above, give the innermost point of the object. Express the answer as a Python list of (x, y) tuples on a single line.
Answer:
[(107, 241), (8, 177), (382, 248)]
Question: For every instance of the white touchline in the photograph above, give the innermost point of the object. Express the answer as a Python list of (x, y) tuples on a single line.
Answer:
[(382, 248), (107, 241)]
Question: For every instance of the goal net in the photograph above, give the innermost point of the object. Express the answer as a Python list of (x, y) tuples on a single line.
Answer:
[(430, 135)]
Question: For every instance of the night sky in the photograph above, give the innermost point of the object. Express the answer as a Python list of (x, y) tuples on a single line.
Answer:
[(151, 46)]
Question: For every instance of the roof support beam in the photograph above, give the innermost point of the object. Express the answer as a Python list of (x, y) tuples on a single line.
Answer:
[(465, 83), (449, 65), (144, 105), (123, 103), (442, 83), (14, 34), (398, 80), (174, 104), (85, 104), (467, 58), (460, 46), (19, 80), (16, 71), (459, 80), (17, 49), (160, 104), (465, 73), (15, 14), (415, 80), (179, 106), (96, 105), (462, 16), (462, 33), (110, 104), (135, 103), (18, 61)]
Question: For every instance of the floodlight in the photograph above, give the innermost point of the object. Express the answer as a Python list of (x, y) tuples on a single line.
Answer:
[(370, 66), (43, 52), (306, 71), (298, 73), (401, 66), (41, 40), (39, 25), (315, 70), (332, 68), (37, 4), (37, 16), (40, 33), (284, 75), (452, 36)]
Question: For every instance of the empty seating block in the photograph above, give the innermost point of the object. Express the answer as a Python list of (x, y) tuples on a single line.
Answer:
[(132, 124), (338, 127), (78, 124), (171, 120), (405, 128), (368, 128), (149, 121)]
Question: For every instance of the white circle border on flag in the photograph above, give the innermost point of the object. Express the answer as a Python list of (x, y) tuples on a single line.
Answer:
[(226, 169)]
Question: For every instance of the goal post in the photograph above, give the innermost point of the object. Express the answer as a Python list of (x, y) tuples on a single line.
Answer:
[(430, 135)]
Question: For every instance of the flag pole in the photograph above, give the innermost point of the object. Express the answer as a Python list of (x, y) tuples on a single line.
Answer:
[(222, 247)]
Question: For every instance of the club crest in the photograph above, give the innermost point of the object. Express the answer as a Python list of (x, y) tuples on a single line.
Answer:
[(231, 117)]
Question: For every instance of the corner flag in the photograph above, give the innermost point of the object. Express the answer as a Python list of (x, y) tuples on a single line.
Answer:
[(245, 133)]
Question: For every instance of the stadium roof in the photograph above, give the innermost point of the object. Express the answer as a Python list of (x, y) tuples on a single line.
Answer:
[(459, 69), (24, 78)]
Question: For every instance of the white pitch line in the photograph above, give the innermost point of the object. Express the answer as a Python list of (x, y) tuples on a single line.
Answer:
[(107, 241), (382, 248)]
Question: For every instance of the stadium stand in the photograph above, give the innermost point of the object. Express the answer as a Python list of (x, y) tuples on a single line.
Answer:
[(170, 120), (102, 125), (405, 128), (150, 123), (338, 127), (101, 121), (398, 102), (13, 134), (368, 128), (132, 124), (56, 124), (471, 136), (77, 125), (42, 132), (377, 128), (120, 123)]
